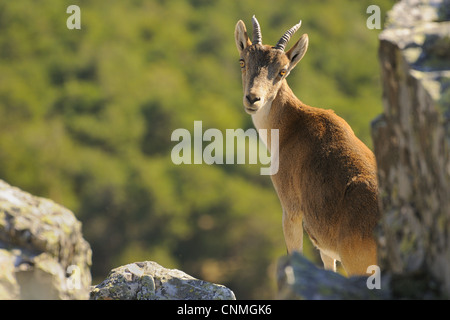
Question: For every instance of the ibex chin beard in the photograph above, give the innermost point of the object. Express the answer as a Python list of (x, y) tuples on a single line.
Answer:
[(251, 109)]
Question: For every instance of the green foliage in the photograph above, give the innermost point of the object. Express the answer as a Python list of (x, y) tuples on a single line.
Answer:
[(86, 118)]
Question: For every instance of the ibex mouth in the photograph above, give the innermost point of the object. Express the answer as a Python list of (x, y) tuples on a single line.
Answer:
[(251, 110)]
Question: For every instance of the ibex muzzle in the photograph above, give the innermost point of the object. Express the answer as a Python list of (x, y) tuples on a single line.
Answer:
[(326, 180)]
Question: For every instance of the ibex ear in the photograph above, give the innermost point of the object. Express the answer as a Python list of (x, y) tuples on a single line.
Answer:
[(241, 37), (296, 53)]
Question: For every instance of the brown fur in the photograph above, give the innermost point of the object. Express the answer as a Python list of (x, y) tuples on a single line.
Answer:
[(327, 176)]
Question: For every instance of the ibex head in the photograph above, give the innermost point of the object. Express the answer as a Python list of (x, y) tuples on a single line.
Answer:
[(265, 67)]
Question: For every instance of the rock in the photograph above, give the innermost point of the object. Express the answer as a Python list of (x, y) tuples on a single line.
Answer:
[(43, 254), (412, 145), (298, 278), (149, 281)]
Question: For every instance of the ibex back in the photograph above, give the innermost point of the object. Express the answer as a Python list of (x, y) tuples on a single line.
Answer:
[(326, 180)]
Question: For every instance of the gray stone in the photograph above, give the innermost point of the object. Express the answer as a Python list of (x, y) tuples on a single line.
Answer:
[(299, 279), (43, 254), (149, 281), (412, 145)]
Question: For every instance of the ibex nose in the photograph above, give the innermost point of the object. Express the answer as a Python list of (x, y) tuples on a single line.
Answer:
[(251, 98)]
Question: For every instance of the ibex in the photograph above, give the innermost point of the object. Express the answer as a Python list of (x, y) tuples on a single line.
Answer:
[(326, 181)]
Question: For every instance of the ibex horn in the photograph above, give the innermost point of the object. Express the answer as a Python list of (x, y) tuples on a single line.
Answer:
[(257, 38), (281, 44)]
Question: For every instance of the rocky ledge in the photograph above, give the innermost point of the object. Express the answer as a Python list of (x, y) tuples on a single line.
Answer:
[(43, 254), (149, 281), (412, 146)]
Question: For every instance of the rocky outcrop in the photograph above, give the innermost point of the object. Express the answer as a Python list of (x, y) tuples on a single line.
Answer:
[(149, 281), (299, 279), (43, 254), (412, 145)]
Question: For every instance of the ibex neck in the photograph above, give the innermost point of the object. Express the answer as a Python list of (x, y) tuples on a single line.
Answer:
[(281, 113)]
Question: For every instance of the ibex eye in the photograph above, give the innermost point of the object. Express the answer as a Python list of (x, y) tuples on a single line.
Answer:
[(242, 63), (283, 72)]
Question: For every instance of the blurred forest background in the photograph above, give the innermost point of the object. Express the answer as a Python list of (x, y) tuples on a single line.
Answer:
[(86, 118)]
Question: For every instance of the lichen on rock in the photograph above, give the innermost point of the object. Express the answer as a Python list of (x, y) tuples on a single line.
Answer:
[(412, 143), (43, 254), (149, 281)]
